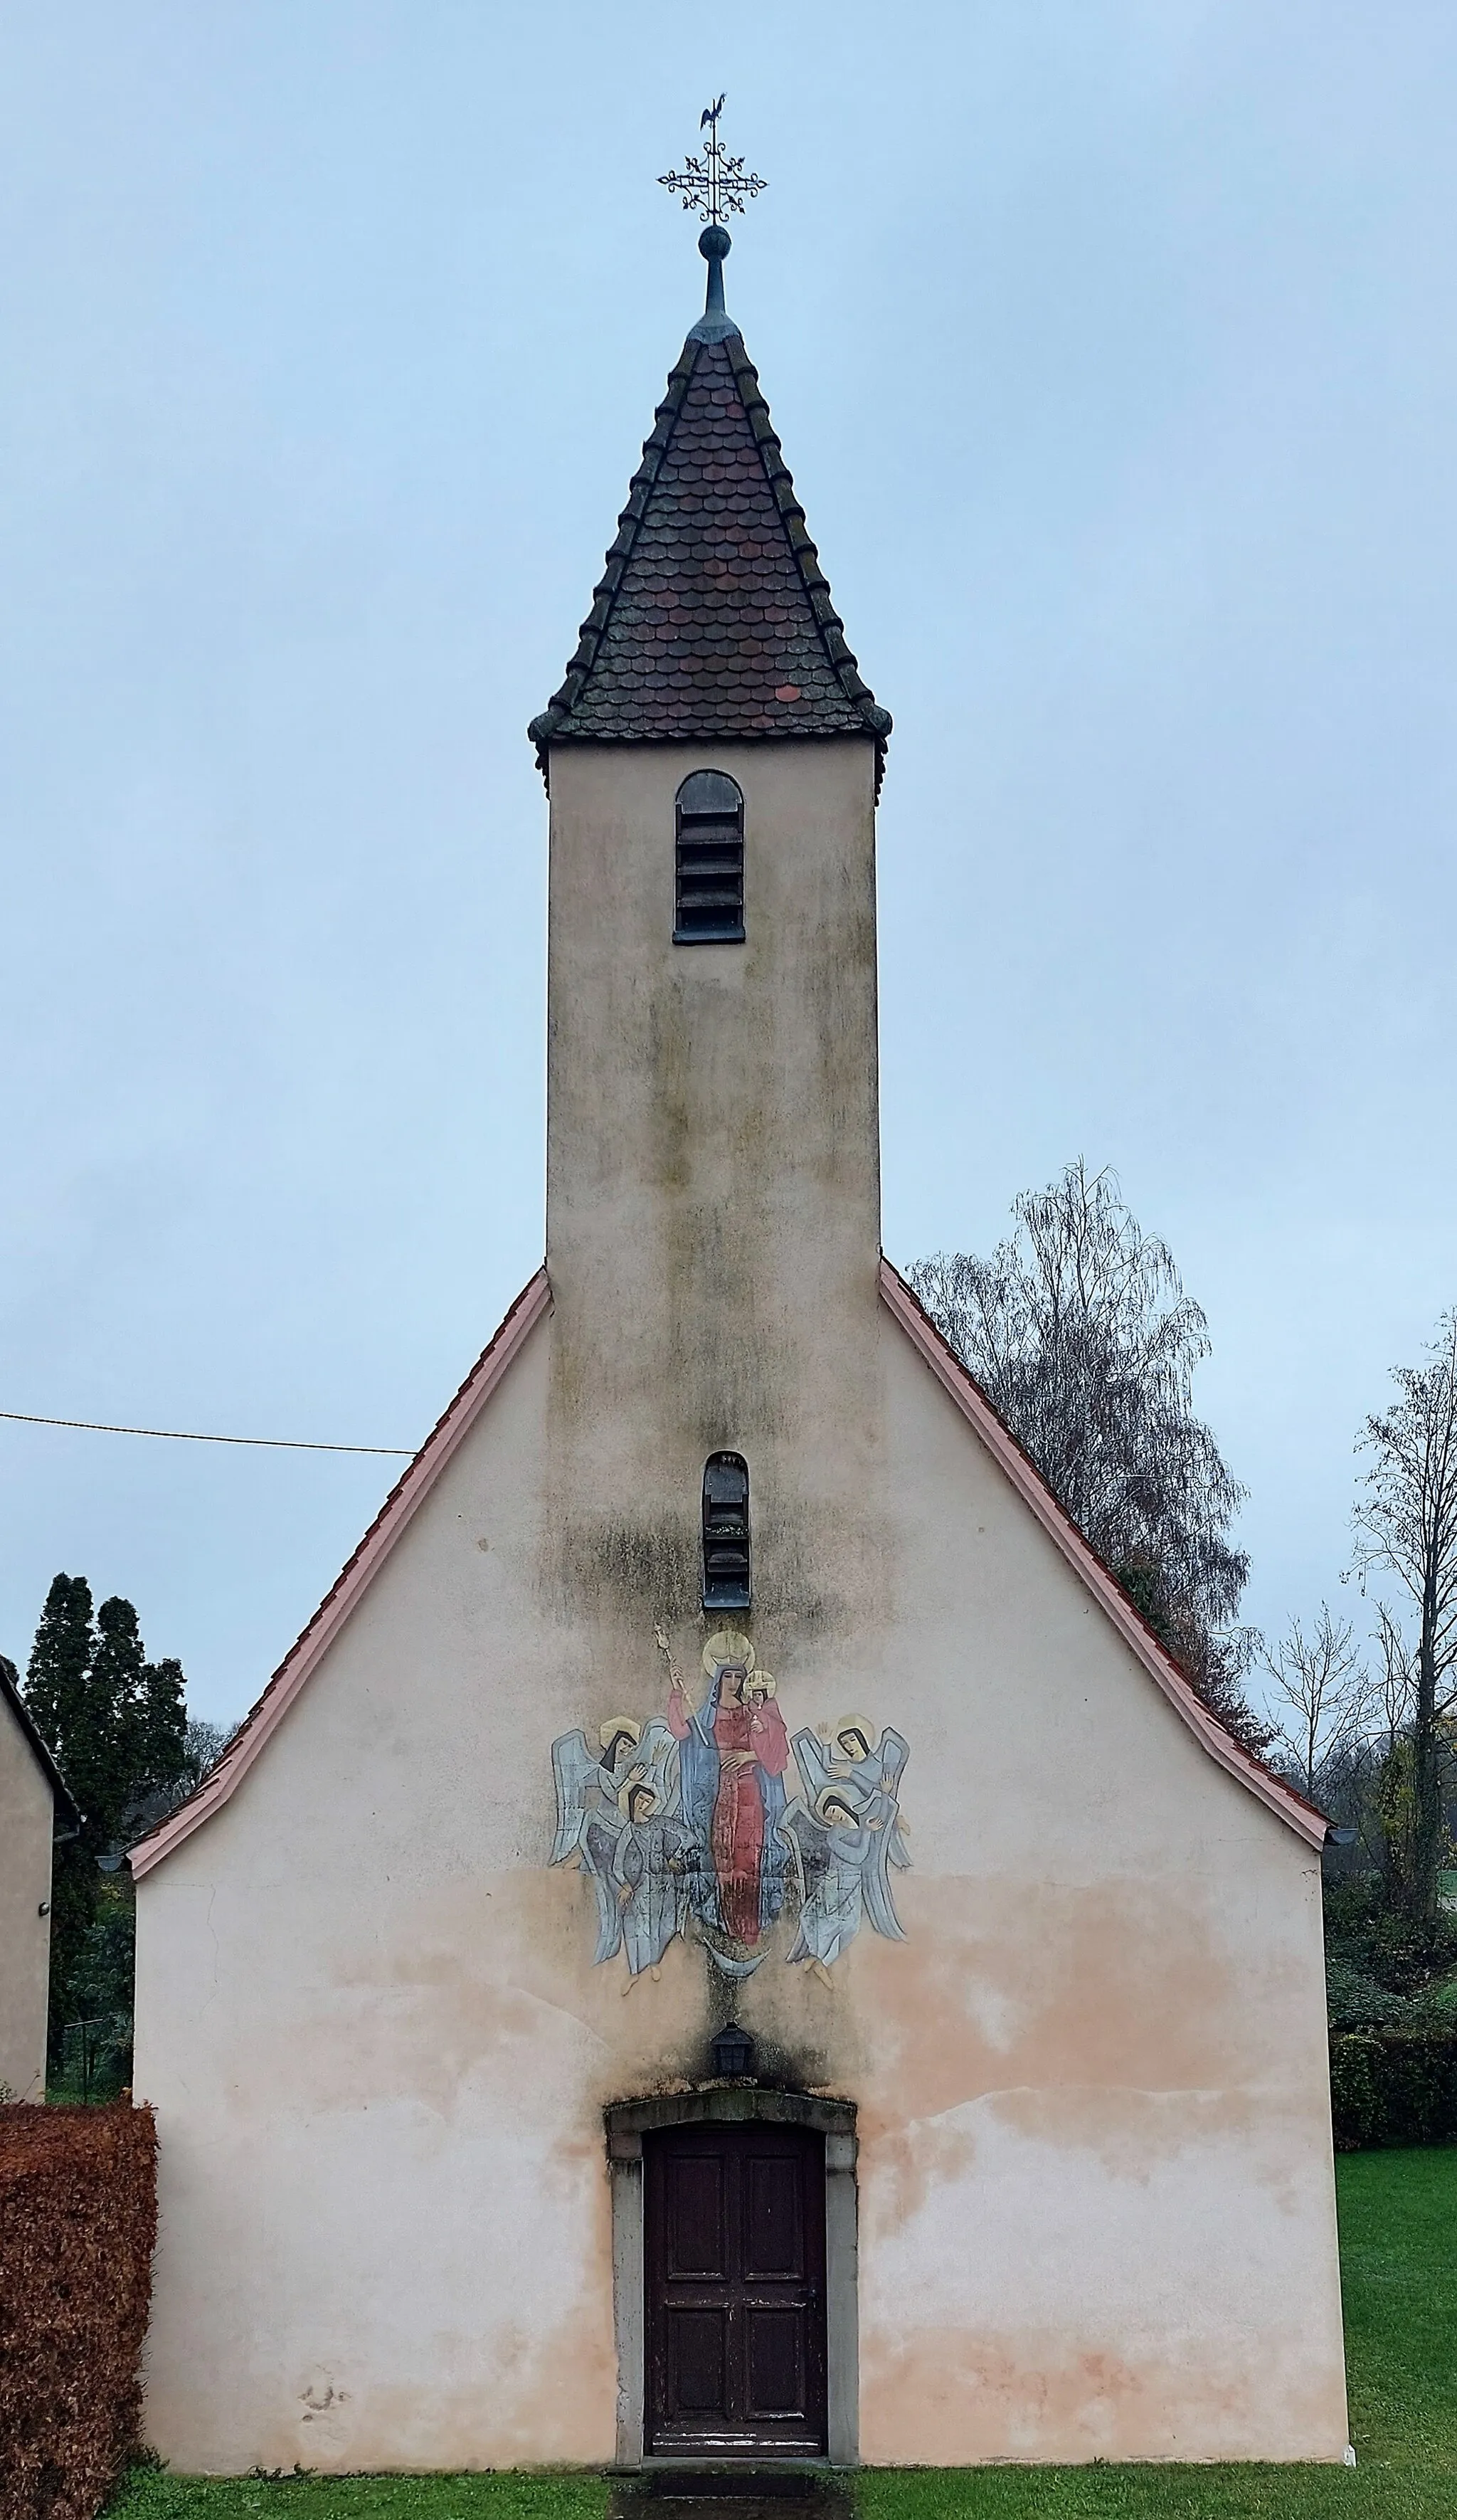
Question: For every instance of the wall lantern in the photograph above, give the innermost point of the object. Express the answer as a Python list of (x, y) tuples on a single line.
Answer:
[(732, 2053)]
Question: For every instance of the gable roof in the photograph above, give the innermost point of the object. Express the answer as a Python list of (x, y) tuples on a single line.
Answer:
[(1030, 1484), (713, 618), (10, 1690), (450, 1431), (392, 1519)]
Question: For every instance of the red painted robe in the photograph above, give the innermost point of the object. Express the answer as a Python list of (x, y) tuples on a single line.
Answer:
[(739, 1811)]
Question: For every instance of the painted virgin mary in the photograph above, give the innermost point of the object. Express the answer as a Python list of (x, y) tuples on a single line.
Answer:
[(732, 1752)]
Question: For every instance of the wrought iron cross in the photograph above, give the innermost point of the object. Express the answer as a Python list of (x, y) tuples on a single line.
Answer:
[(714, 184)]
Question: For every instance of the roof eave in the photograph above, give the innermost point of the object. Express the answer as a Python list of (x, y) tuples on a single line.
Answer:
[(581, 739)]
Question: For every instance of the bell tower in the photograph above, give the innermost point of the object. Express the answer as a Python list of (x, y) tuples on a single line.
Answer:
[(712, 761)]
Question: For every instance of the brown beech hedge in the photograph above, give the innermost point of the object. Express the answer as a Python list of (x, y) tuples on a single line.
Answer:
[(77, 2222)]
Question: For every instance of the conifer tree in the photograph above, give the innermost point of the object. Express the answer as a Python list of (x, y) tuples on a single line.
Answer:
[(60, 1661), (117, 1689), (117, 1727), (162, 1757), (55, 1694)]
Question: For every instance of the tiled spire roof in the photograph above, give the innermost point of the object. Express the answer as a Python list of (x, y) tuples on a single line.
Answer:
[(713, 617)]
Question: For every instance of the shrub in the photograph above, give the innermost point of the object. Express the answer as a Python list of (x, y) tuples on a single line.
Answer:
[(1365, 1932), (1357, 2000), (1394, 2087), (77, 2221)]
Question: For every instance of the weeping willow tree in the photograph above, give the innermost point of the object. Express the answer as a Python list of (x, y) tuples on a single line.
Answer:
[(1078, 1329)]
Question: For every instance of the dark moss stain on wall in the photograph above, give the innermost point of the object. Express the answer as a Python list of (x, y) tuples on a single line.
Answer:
[(714, 1133)]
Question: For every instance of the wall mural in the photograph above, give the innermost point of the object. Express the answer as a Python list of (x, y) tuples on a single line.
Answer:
[(703, 1822)]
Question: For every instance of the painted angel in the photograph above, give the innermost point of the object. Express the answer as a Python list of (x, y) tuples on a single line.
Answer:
[(588, 1787), (617, 1812), (653, 1865), (841, 1840), (872, 1761)]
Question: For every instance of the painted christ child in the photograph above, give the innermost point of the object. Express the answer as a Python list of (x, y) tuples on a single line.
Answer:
[(733, 1751)]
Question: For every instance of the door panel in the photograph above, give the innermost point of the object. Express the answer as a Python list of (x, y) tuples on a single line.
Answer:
[(697, 2228), (697, 2362), (776, 2376), (774, 2222), (735, 2266)]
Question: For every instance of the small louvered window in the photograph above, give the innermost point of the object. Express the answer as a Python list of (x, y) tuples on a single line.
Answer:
[(710, 840), (725, 1532)]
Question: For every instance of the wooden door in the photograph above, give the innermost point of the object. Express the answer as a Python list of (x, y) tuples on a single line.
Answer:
[(733, 2232)]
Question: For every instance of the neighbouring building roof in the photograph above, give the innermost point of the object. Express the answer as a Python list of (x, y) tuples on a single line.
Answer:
[(439, 1447), (713, 618), (10, 1690)]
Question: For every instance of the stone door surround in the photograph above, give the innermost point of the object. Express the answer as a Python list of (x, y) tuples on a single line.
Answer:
[(736, 2105)]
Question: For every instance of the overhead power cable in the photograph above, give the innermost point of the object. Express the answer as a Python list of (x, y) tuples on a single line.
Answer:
[(174, 1435)]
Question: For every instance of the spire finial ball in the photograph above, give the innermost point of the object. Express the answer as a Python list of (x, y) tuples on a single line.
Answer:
[(714, 243)]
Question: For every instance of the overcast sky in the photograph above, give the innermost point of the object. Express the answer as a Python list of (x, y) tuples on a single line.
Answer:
[(1113, 349)]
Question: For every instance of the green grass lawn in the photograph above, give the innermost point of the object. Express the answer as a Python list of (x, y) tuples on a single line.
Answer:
[(1398, 2247)]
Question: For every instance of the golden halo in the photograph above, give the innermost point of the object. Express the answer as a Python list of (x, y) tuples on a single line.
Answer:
[(728, 1645), (766, 1681), (615, 1726), (855, 1723)]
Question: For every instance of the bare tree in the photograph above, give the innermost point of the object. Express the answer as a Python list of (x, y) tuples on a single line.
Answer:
[(1394, 1690), (1080, 1332), (205, 1743), (1406, 1531), (1326, 1692)]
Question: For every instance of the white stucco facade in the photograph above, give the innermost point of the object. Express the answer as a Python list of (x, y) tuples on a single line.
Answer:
[(1095, 2192), (27, 1831)]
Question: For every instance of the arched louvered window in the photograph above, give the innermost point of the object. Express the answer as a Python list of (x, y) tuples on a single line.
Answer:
[(710, 861), (725, 1532)]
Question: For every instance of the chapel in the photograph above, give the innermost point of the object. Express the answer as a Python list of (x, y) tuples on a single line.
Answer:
[(727, 1941)]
